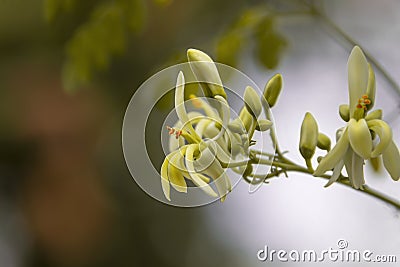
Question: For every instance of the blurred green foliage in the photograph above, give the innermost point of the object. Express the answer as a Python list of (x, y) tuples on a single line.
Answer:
[(106, 34), (97, 40), (256, 25)]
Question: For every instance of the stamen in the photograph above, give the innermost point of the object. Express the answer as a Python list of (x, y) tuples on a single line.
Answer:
[(171, 130), (363, 102), (178, 133)]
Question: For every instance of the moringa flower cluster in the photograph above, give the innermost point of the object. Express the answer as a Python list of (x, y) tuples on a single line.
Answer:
[(204, 143), (366, 136)]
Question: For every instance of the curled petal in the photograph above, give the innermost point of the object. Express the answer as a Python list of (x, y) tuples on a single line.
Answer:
[(216, 172), (334, 156), (383, 130), (196, 178), (164, 179), (358, 74), (391, 160), (374, 115), (175, 175), (360, 138)]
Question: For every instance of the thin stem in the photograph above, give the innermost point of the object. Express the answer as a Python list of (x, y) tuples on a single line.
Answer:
[(309, 166), (293, 167)]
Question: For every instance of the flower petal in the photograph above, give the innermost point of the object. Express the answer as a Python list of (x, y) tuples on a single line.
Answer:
[(196, 178), (175, 175), (374, 115), (348, 163), (383, 130), (225, 113), (360, 138), (358, 74), (336, 173), (180, 106), (216, 172), (164, 179), (391, 160), (371, 88), (334, 156), (357, 170)]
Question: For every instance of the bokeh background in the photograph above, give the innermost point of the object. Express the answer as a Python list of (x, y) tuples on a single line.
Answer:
[(67, 72)]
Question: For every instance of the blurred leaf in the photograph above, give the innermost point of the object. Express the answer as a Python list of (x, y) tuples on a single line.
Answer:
[(163, 2), (134, 14), (54, 7), (229, 47), (269, 43), (99, 39)]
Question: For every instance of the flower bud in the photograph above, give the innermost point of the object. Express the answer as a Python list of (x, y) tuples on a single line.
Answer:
[(273, 89), (236, 126), (324, 142), (252, 101), (206, 73), (263, 125), (344, 112), (246, 119), (308, 136)]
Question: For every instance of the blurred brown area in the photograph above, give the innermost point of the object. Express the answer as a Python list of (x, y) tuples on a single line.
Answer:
[(61, 163)]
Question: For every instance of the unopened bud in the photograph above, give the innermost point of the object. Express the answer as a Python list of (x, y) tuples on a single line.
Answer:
[(344, 112), (252, 101), (206, 73), (308, 136), (324, 142), (273, 89), (263, 125)]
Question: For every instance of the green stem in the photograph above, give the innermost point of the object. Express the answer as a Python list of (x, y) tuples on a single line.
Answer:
[(293, 167)]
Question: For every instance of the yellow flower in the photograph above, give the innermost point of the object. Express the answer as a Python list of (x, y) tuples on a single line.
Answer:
[(355, 142), (203, 145)]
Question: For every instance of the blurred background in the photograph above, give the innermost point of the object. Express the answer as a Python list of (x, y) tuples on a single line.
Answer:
[(68, 69)]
